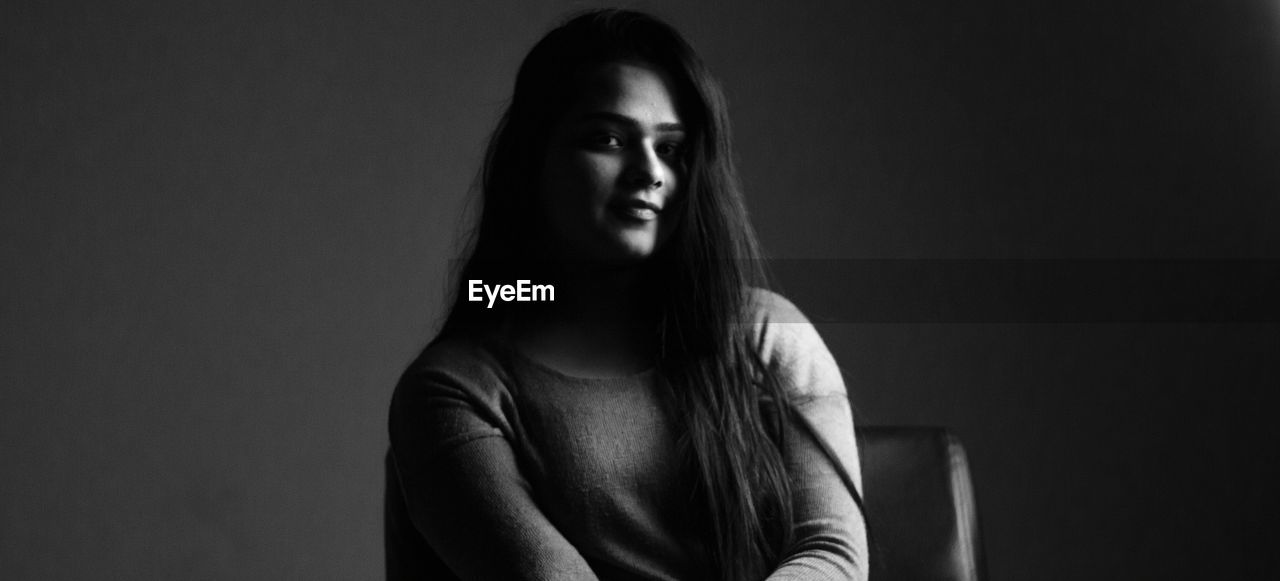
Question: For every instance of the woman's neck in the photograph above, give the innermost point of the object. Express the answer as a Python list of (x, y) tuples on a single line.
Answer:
[(602, 324)]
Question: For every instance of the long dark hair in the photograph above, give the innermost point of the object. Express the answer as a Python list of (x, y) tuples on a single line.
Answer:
[(729, 407)]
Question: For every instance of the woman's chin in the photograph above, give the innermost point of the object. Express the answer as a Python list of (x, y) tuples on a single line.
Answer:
[(616, 248), (630, 247)]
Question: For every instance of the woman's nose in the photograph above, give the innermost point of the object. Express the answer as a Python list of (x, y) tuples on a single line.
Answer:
[(644, 169)]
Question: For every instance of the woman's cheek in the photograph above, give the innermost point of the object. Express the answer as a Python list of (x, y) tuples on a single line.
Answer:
[(601, 171)]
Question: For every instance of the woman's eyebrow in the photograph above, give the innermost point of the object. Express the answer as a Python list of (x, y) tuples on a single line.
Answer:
[(624, 120)]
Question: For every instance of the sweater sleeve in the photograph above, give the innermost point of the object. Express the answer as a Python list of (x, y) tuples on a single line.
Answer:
[(451, 437), (830, 531)]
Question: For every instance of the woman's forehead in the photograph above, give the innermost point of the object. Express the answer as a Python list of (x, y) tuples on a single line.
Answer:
[(631, 89)]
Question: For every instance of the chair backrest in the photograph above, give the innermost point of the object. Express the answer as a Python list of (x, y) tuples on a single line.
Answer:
[(922, 517), (921, 513)]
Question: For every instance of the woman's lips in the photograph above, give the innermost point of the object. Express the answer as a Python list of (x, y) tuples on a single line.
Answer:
[(637, 210)]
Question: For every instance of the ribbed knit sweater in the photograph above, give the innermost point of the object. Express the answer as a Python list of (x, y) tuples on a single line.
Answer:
[(512, 470)]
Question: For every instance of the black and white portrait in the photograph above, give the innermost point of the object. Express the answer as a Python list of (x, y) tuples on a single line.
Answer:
[(652, 290)]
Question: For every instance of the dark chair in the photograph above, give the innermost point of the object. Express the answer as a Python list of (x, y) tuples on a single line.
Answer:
[(921, 512), (922, 517)]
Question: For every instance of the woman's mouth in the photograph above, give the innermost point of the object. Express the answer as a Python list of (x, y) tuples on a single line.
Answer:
[(636, 210)]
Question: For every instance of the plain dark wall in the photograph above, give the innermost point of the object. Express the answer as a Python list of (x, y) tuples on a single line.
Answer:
[(226, 227)]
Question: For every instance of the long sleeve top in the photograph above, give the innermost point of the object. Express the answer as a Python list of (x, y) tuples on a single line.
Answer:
[(512, 470)]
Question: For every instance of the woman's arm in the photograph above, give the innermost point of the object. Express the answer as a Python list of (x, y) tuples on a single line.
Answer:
[(830, 533), (464, 490), (830, 530)]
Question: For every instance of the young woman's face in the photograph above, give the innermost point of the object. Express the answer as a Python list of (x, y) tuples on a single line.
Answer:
[(614, 167)]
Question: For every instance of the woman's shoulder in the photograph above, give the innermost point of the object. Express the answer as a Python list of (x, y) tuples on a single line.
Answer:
[(456, 365), (456, 353), (768, 305), (790, 345), (781, 328), (453, 393)]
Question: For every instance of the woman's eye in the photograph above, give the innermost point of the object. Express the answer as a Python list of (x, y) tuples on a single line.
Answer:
[(671, 149), (605, 141)]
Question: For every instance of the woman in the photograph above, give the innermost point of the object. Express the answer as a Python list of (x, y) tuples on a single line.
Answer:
[(664, 416)]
